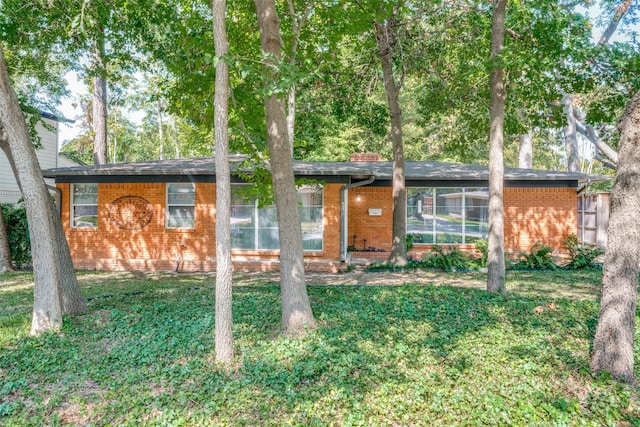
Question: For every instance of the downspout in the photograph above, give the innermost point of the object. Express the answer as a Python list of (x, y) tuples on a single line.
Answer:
[(344, 218), (58, 198)]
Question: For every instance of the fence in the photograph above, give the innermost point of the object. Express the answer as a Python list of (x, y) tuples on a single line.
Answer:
[(593, 219)]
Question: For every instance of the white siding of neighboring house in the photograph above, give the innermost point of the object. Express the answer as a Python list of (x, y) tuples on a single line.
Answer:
[(47, 157)]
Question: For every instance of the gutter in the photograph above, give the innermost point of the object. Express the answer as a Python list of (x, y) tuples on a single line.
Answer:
[(344, 218)]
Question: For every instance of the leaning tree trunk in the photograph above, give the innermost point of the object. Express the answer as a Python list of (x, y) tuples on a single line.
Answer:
[(224, 316), (5, 252), (72, 300), (398, 256), (613, 342), (16, 143), (99, 116), (495, 261), (296, 308)]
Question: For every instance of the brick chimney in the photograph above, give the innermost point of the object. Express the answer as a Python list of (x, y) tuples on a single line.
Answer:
[(365, 157)]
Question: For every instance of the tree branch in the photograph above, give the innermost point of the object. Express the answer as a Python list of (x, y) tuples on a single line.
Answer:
[(604, 161), (618, 14), (514, 34), (592, 136)]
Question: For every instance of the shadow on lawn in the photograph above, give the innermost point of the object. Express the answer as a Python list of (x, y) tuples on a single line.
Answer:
[(368, 336), (378, 352)]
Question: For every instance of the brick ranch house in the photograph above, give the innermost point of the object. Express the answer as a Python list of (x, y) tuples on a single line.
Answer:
[(160, 215)]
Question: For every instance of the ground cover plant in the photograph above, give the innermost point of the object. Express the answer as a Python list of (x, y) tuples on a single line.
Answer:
[(539, 257), (413, 354)]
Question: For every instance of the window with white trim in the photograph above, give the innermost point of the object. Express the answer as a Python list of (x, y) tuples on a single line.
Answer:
[(447, 215), (256, 228), (84, 205), (181, 203)]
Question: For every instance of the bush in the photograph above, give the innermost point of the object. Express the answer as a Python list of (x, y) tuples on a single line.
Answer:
[(15, 219), (482, 246), (538, 259), (455, 259), (408, 241), (582, 257)]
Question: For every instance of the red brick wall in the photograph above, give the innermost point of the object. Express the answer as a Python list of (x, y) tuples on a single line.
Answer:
[(156, 247), (376, 230), (545, 215)]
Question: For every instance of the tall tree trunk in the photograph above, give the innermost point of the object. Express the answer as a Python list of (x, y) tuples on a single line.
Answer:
[(570, 136), (613, 342), (495, 261), (384, 37), (114, 153), (5, 252), (160, 124), (525, 154), (16, 143), (99, 116), (224, 316), (296, 308), (291, 116)]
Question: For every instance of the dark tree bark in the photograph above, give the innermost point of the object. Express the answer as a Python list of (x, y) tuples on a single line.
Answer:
[(495, 261), (384, 37), (525, 154), (48, 264), (224, 316), (613, 342), (5, 253), (296, 308), (99, 115)]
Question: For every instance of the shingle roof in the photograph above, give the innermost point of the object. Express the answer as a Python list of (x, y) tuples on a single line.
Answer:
[(382, 170)]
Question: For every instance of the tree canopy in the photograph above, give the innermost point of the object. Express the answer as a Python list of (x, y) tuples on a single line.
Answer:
[(160, 60)]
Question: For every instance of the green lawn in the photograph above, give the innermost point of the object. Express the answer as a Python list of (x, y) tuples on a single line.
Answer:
[(382, 355)]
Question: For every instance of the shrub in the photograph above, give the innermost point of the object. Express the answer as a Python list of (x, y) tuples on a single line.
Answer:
[(482, 246), (408, 241), (455, 259), (582, 257), (538, 259), (15, 219)]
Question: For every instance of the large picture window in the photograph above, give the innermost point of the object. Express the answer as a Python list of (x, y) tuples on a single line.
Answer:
[(181, 201), (447, 215), (84, 206), (256, 228)]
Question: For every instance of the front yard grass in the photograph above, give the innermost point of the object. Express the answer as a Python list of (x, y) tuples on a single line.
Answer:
[(382, 355)]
